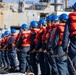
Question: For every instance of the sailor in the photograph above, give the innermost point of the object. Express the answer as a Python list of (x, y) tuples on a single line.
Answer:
[(57, 46), (33, 33), (11, 46), (7, 36), (3, 51), (49, 38), (23, 46), (38, 41), (45, 37), (0, 52), (70, 34), (17, 39)]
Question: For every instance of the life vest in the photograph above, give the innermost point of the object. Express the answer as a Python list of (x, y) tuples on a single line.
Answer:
[(61, 29), (54, 27), (72, 16), (26, 38), (18, 36), (49, 33), (48, 30), (39, 34), (3, 42), (14, 42), (33, 34), (44, 34), (34, 31), (0, 40), (6, 39)]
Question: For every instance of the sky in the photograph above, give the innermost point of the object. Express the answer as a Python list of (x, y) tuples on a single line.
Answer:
[(71, 2)]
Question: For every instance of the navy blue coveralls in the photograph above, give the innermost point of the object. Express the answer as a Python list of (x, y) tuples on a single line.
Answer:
[(12, 52), (6, 53), (40, 54), (0, 54), (33, 60), (3, 53), (72, 45), (23, 52), (52, 60), (58, 50)]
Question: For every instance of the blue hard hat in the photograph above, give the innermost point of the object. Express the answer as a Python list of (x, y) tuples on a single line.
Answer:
[(7, 33), (24, 26), (54, 17), (33, 24), (48, 18), (42, 21), (63, 16), (3, 35), (13, 30), (74, 6)]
